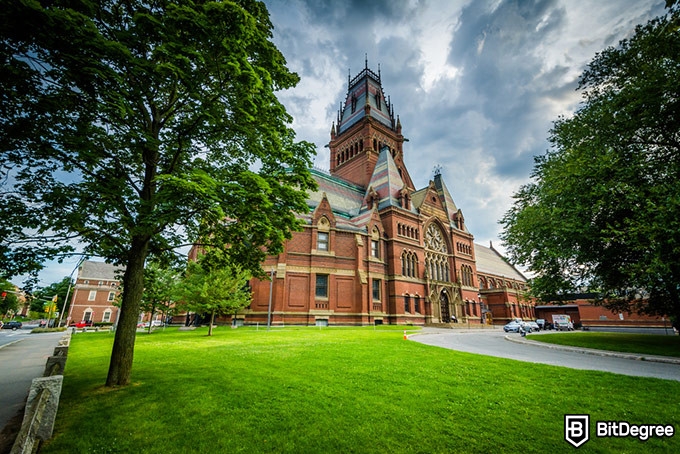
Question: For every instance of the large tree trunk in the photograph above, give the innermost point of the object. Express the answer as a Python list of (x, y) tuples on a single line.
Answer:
[(120, 367)]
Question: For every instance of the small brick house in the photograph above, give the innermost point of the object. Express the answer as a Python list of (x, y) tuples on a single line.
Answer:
[(374, 248), (96, 288)]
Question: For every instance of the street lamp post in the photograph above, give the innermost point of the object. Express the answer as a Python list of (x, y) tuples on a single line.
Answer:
[(482, 308), (70, 285)]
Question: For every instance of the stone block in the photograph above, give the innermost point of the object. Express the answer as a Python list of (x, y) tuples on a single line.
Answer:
[(55, 365), (61, 350), (52, 385)]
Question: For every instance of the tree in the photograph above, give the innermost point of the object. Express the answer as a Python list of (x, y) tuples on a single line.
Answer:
[(214, 286), (45, 294), (9, 303), (159, 289), (137, 127), (603, 211)]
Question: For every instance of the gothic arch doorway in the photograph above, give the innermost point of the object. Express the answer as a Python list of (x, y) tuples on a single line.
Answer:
[(444, 307)]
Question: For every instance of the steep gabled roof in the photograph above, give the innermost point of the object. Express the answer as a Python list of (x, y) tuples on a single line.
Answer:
[(447, 201), (385, 181)]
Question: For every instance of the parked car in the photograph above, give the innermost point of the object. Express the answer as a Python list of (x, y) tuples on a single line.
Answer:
[(146, 324), (534, 326), (13, 325), (512, 327), (82, 323)]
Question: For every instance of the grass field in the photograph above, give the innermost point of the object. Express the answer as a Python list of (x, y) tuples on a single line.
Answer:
[(619, 342), (338, 390)]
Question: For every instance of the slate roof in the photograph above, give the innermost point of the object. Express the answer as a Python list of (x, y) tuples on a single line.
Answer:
[(489, 261), (345, 198), (100, 271), (386, 181)]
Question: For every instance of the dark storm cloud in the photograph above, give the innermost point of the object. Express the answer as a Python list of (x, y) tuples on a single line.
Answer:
[(498, 49)]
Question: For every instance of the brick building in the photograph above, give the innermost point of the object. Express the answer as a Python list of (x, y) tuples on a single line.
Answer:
[(376, 249), (584, 312), (94, 292)]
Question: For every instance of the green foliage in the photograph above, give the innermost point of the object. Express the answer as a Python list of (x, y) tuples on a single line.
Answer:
[(137, 127), (9, 305), (603, 211), (215, 286), (160, 283), (48, 330), (43, 295)]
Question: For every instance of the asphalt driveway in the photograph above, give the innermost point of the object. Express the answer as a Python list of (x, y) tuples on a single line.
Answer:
[(494, 343)]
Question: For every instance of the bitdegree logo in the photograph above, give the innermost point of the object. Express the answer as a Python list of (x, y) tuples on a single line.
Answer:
[(577, 430), (607, 429)]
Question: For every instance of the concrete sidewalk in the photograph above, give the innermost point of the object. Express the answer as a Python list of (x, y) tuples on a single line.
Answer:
[(20, 362)]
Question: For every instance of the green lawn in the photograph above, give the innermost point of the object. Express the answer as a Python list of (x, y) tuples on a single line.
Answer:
[(619, 342), (338, 390)]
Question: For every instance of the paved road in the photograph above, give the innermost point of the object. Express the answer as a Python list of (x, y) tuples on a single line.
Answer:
[(22, 358), (493, 343)]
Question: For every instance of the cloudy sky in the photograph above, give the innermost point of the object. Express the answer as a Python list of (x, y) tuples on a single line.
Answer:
[(476, 84)]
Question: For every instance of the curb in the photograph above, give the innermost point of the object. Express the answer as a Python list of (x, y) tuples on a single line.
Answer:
[(10, 343), (592, 351)]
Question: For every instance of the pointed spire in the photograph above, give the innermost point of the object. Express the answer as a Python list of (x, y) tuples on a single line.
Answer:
[(366, 60), (378, 72)]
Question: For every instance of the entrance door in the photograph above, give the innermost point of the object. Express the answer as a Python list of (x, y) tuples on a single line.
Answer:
[(444, 302)]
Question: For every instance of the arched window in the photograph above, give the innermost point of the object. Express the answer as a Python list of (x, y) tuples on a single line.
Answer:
[(466, 275), (409, 262), (407, 304)]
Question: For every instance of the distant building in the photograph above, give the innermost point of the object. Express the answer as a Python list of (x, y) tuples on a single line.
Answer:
[(94, 293), (584, 312)]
